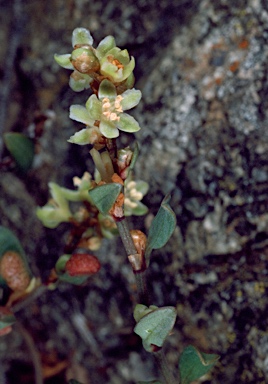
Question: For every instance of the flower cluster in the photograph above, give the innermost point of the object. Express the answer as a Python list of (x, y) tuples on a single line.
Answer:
[(95, 64), (108, 70)]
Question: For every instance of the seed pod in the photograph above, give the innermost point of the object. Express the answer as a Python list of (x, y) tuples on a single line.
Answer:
[(82, 264), (139, 240), (14, 271), (84, 60)]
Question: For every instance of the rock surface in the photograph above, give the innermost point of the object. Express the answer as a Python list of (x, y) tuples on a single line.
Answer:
[(202, 69)]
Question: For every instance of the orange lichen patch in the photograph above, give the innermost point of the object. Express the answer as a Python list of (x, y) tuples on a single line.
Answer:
[(218, 80), (13, 271), (234, 66), (244, 44)]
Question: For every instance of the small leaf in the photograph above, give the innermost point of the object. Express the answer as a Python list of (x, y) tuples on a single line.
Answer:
[(21, 148), (162, 227), (105, 196), (154, 327), (194, 364)]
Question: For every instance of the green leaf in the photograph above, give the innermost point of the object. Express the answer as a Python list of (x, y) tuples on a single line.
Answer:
[(21, 148), (162, 227), (194, 364), (9, 242), (154, 327), (105, 196)]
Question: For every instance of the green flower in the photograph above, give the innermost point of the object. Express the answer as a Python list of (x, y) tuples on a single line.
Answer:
[(82, 42), (115, 63), (89, 63), (108, 108)]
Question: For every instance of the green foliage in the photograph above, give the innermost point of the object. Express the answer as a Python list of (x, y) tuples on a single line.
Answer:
[(194, 364), (155, 326), (162, 228), (21, 149), (105, 196)]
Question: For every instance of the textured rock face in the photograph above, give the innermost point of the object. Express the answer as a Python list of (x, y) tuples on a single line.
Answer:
[(202, 68)]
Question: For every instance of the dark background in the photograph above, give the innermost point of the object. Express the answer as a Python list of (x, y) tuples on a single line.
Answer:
[(202, 69)]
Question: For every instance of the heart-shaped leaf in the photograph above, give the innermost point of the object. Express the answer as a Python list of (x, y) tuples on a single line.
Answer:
[(21, 148), (105, 196), (154, 327), (194, 364), (162, 227)]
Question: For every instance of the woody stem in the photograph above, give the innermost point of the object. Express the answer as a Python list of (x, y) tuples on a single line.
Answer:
[(131, 250)]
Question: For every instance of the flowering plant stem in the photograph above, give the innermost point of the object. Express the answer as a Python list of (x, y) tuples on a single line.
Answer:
[(131, 250), (164, 368)]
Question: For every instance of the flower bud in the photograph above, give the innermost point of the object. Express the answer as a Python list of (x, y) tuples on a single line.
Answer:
[(82, 264), (14, 271), (139, 240), (84, 60)]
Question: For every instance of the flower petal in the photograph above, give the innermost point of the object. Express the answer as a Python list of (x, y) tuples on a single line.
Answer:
[(127, 123), (81, 137), (131, 98), (107, 89), (104, 46), (93, 106), (128, 69), (80, 113), (81, 36), (64, 60), (78, 81), (108, 129)]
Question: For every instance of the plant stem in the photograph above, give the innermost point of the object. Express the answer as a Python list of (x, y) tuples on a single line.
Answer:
[(131, 250), (164, 368)]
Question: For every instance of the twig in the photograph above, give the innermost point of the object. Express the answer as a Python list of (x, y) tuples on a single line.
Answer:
[(33, 352), (164, 368), (131, 250)]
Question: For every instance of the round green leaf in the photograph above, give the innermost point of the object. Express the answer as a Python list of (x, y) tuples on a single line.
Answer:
[(194, 364), (154, 327), (21, 148)]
